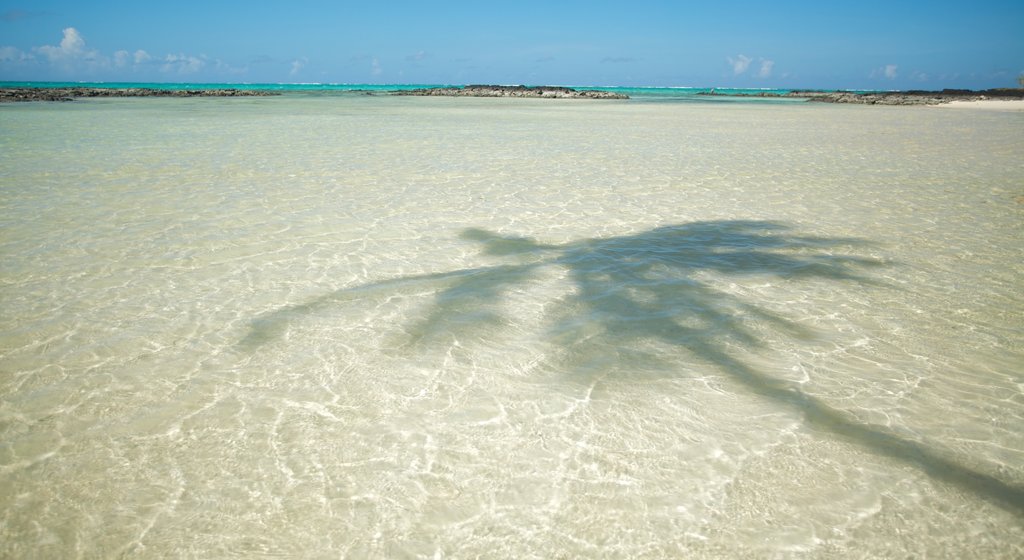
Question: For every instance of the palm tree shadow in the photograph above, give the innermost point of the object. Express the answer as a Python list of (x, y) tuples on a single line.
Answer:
[(652, 287)]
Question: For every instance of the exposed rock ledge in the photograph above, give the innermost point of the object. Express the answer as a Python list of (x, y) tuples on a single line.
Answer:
[(72, 93), (909, 97), (913, 97), (556, 92)]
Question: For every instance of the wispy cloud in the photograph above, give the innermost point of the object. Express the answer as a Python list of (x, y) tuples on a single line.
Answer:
[(13, 55), (548, 58), (15, 15), (375, 68), (182, 64), (889, 71), (224, 68), (617, 60), (297, 65), (73, 57), (416, 57), (739, 64), (124, 59)]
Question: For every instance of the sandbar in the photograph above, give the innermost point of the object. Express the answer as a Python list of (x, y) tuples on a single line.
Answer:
[(987, 104)]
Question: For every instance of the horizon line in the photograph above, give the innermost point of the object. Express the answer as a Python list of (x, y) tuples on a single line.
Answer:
[(407, 85)]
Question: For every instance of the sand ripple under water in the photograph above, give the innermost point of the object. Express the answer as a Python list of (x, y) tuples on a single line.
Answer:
[(422, 327)]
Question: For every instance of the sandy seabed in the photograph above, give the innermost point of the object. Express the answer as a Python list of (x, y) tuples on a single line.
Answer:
[(398, 327)]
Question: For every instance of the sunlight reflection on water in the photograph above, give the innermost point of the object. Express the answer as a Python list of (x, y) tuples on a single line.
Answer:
[(415, 327)]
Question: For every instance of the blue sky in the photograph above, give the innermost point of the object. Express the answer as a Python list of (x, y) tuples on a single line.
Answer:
[(865, 44)]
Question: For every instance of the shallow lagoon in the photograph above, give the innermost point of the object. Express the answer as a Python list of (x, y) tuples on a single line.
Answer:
[(394, 327)]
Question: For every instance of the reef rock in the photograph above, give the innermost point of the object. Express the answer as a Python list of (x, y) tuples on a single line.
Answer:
[(556, 92)]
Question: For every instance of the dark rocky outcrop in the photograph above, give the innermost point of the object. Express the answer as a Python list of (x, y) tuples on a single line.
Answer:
[(72, 93), (556, 92), (913, 97), (909, 97)]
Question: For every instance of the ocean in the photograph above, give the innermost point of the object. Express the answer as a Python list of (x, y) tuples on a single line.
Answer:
[(403, 327)]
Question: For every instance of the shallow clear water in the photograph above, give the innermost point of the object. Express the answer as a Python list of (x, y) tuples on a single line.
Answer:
[(426, 327)]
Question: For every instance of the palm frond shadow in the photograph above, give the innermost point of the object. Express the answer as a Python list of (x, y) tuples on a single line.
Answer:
[(650, 287)]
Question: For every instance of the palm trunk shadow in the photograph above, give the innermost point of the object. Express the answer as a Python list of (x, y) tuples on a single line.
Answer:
[(821, 417), (271, 326), (650, 287)]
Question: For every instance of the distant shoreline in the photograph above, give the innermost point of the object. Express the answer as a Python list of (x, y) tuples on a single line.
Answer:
[(15, 94), (555, 92), (44, 93), (913, 97), (1007, 97)]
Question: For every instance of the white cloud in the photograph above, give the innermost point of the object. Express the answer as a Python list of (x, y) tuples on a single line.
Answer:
[(72, 46), (73, 57), (417, 57), (297, 65), (739, 64), (182, 64), (766, 68), (123, 58), (375, 68), (11, 54)]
